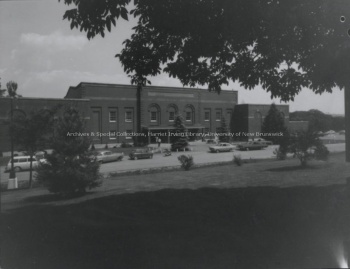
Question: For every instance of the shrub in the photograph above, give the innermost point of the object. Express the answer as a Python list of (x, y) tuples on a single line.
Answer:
[(321, 152), (280, 154), (186, 161), (179, 135), (237, 160), (307, 146), (69, 169), (69, 175)]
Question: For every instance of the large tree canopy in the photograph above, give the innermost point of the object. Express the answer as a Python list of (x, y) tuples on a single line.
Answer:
[(282, 45)]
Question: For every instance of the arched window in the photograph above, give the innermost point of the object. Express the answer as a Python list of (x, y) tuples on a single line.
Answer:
[(189, 114), (172, 111), (154, 114)]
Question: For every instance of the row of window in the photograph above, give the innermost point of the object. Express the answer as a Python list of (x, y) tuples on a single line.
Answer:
[(154, 116), (113, 116), (114, 137)]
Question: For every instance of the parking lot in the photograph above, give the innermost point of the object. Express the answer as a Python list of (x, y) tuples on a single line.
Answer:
[(200, 153)]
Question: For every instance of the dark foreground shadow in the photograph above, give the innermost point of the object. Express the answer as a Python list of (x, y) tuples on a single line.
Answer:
[(263, 227), (47, 198), (293, 168)]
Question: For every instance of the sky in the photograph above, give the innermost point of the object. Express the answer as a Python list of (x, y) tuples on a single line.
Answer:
[(40, 52)]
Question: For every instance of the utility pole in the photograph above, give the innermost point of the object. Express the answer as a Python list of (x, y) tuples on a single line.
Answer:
[(12, 172)]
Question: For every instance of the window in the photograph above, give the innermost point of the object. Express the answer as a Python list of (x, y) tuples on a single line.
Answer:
[(188, 116), (218, 115), (171, 116), (112, 116), (207, 116), (172, 111), (153, 116), (128, 116), (127, 134), (113, 135), (206, 130)]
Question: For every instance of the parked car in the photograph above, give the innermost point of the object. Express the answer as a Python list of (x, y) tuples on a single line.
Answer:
[(330, 132), (222, 147), (141, 154), (251, 145), (263, 141), (108, 156), (21, 163)]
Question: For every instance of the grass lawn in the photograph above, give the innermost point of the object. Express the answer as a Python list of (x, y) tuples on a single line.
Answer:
[(261, 215)]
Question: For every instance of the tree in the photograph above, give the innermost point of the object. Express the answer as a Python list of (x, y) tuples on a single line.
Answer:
[(306, 146), (12, 89), (273, 124), (179, 140), (223, 131), (318, 121), (281, 45), (69, 169), (31, 132), (2, 91)]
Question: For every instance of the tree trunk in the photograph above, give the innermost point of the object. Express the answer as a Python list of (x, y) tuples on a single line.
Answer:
[(347, 122), (138, 112)]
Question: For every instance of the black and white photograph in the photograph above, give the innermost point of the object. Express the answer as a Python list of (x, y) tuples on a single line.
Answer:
[(174, 134)]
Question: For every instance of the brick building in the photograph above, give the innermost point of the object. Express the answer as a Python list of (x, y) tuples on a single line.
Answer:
[(112, 109), (249, 118)]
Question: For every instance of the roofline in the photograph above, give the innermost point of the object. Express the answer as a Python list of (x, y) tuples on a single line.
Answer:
[(147, 86), (44, 98), (259, 105)]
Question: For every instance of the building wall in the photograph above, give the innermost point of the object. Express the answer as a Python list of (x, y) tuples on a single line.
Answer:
[(249, 118), (159, 101), (257, 114), (110, 108)]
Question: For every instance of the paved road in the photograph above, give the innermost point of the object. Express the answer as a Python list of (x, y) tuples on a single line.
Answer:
[(200, 155)]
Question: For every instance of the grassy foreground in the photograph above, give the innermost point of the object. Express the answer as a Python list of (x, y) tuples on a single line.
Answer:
[(189, 227)]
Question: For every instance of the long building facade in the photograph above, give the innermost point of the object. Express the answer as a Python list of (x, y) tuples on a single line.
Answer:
[(111, 111)]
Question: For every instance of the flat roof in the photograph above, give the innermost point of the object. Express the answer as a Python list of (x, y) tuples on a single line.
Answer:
[(261, 104), (147, 87), (45, 98)]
